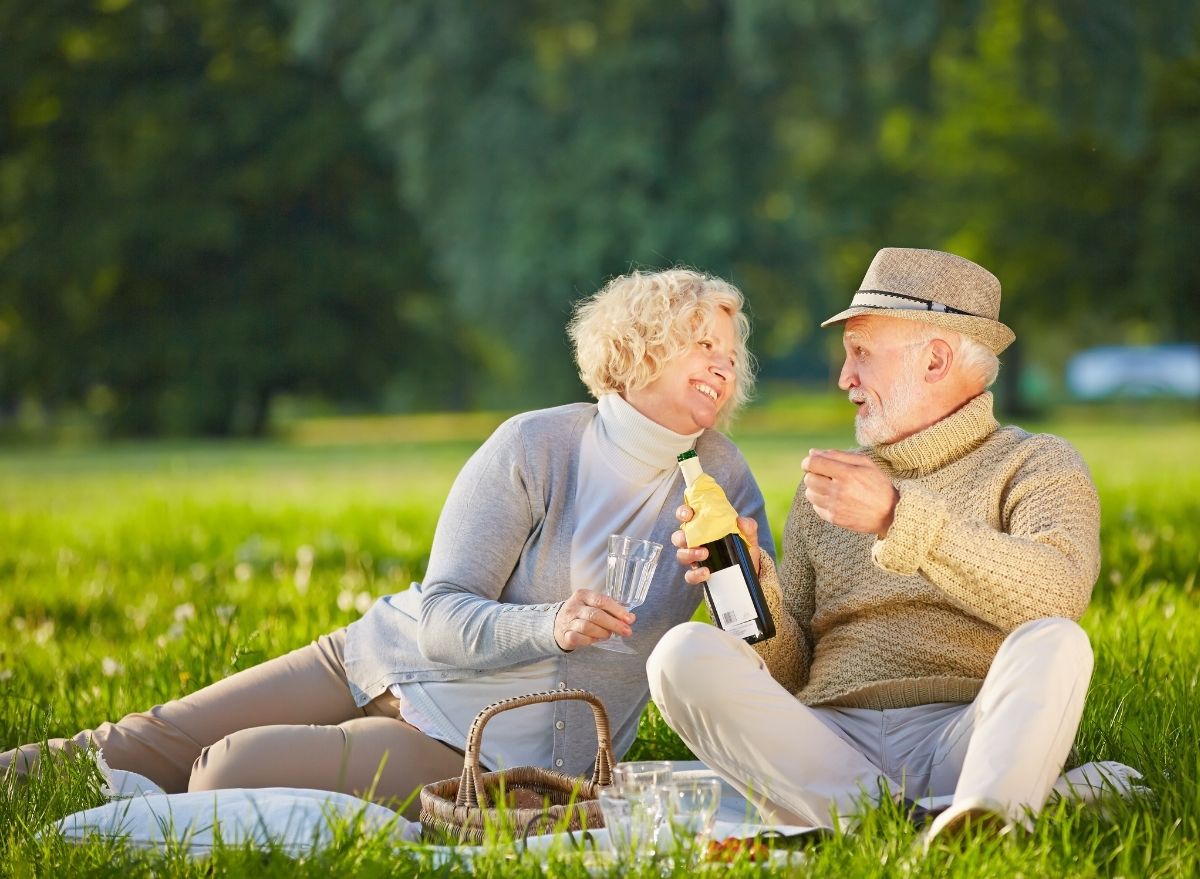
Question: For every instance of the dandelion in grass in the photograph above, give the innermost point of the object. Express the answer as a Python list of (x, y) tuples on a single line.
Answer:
[(243, 571), (110, 668), (185, 612), (304, 562), (225, 612)]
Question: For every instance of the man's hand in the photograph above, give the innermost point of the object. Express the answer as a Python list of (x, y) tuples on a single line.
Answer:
[(850, 491), (692, 557), (589, 616)]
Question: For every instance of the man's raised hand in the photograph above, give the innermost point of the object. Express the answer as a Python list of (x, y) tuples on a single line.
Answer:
[(849, 490)]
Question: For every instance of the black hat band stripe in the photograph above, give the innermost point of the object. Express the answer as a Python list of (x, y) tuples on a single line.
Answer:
[(887, 299)]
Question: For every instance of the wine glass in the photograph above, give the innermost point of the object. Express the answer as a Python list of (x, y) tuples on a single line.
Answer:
[(691, 811), (631, 564), (633, 807)]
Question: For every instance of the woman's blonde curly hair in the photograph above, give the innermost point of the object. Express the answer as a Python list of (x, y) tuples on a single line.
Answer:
[(628, 332)]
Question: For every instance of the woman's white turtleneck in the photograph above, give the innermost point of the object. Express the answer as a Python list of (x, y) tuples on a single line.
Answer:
[(627, 465)]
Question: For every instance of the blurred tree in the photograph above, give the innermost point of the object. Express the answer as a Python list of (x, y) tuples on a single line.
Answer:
[(778, 142), (191, 222), (548, 146)]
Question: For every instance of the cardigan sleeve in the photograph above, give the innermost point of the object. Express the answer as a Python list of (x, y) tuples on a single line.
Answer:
[(1042, 561), (487, 519)]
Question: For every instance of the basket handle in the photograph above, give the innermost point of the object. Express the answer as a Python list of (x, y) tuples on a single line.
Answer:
[(470, 788)]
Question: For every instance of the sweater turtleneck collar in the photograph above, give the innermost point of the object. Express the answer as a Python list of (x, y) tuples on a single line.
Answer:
[(942, 442), (641, 438)]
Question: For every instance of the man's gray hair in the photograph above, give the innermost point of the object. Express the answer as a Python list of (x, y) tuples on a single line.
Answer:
[(978, 359), (974, 357)]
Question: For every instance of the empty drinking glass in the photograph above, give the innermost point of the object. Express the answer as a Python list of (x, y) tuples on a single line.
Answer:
[(631, 829), (631, 564), (644, 783), (690, 811), (655, 772)]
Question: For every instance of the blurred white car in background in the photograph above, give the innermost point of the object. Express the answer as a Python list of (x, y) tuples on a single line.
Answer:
[(1135, 371)]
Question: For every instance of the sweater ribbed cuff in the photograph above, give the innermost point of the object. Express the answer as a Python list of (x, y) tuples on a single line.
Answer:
[(526, 631), (917, 525)]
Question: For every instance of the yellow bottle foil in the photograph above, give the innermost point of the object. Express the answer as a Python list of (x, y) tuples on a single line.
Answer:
[(713, 516)]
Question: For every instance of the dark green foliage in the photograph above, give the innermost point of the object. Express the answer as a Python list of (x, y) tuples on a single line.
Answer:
[(191, 222), (549, 146), (204, 205)]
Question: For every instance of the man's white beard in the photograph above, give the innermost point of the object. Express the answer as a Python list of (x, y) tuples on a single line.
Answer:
[(878, 423)]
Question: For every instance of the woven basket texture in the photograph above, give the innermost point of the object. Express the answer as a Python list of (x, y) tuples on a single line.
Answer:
[(517, 801)]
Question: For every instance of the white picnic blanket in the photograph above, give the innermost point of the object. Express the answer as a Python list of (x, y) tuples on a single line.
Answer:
[(299, 821)]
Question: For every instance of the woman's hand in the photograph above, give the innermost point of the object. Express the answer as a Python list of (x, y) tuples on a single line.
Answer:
[(589, 616), (692, 557)]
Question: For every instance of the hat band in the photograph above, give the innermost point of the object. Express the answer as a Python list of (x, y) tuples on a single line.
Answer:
[(886, 299)]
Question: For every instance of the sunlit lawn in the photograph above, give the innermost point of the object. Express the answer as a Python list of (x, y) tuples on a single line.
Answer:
[(133, 573)]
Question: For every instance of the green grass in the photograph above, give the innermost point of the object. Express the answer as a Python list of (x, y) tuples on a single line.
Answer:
[(134, 573)]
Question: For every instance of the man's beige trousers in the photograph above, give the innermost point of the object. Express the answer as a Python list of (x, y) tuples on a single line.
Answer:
[(800, 765), (289, 722)]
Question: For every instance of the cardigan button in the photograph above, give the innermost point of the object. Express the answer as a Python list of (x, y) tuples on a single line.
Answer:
[(558, 724), (558, 762)]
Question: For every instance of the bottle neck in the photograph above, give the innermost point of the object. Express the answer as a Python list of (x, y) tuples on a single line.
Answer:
[(691, 469)]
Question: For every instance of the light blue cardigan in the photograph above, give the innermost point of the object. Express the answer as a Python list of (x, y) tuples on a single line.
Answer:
[(500, 569)]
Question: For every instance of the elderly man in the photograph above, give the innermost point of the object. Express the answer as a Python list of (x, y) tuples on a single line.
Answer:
[(928, 588)]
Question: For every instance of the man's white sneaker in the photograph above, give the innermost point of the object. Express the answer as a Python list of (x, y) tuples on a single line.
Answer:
[(975, 814)]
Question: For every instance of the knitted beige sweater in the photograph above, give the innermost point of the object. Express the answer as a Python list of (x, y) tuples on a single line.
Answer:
[(994, 527)]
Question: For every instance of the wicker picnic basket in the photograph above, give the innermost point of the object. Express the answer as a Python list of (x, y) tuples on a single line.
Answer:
[(461, 808)]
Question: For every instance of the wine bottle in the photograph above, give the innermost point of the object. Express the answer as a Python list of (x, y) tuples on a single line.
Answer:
[(734, 594)]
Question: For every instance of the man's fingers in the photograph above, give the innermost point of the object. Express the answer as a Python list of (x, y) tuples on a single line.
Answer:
[(816, 480), (679, 540), (683, 513), (820, 501), (821, 465), (819, 490), (696, 576), (854, 459)]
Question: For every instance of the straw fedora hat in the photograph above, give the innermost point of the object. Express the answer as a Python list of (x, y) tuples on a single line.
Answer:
[(934, 288)]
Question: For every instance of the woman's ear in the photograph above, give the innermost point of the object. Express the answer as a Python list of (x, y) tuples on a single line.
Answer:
[(939, 360)]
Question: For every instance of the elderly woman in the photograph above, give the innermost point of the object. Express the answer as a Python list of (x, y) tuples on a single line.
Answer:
[(512, 599)]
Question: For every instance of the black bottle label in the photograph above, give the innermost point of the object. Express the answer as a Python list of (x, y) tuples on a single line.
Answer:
[(734, 593)]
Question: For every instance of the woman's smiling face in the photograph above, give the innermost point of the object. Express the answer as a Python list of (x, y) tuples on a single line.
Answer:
[(689, 393)]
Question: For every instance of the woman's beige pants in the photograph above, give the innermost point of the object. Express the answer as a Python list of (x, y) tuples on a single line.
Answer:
[(289, 722), (800, 764)]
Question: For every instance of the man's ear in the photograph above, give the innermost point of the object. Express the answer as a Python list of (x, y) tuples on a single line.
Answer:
[(938, 361)]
